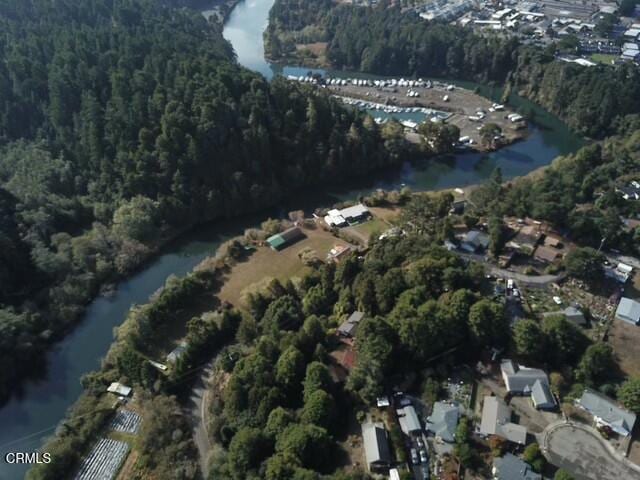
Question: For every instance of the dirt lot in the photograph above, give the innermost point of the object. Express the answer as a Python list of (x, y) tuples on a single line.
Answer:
[(265, 264), (462, 104), (625, 340)]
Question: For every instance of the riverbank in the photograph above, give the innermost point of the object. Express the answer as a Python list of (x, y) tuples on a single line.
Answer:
[(41, 405)]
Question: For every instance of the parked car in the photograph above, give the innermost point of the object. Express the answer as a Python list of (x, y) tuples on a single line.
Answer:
[(423, 456), (414, 456), (420, 442)]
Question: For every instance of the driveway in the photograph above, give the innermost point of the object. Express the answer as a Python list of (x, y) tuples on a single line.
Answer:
[(520, 278), (196, 410), (581, 451)]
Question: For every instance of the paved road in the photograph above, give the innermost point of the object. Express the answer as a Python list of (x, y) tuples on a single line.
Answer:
[(519, 278), (197, 404), (580, 450)]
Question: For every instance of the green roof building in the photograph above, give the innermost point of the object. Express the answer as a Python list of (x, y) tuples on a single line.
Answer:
[(286, 238)]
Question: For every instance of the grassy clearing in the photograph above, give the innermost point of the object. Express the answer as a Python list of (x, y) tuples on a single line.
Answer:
[(603, 58), (376, 226), (265, 264), (625, 340)]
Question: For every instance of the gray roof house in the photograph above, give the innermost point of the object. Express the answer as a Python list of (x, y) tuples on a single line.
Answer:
[(408, 418), (542, 397), (511, 467), (475, 241), (573, 314), (496, 420), (605, 411), (376, 446), (350, 325), (519, 380), (176, 353), (444, 421), (628, 311)]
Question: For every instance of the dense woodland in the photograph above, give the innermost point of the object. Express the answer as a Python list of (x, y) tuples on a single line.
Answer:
[(577, 194), (123, 122), (385, 40), (277, 411)]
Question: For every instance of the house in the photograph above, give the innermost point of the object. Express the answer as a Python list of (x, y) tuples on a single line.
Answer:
[(606, 412), (475, 241), (347, 216), (552, 241), (284, 239), (546, 254), (542, 397), (496, 420), (526, 239), (632, 33), (338, 252), (176, 353), (572, 313), (511, 467), (408, 419), (443, 421), (350, 325), (628, 311), (376, 446), (119, 389), (519, 380)]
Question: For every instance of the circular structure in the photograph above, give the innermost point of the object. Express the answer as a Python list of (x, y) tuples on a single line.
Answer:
[(581, 451)]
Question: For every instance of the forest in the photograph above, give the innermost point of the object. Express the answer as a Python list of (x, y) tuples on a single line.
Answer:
[(279, 411), (384, 40), (125, 122)]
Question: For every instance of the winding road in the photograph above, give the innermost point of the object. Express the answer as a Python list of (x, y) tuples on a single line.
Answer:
[(581, 450)]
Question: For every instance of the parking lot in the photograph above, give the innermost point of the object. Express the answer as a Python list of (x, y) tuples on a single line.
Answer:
[(583, 453)]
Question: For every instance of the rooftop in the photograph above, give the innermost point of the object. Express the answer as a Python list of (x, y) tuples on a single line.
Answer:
[(350, 325), (444, 420), (376, 446), (607, 410), (628, 310), (521, 379), (511, 467), (496, 420), (408, 419)]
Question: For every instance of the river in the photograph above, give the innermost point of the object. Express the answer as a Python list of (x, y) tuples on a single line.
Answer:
[(31, 416)]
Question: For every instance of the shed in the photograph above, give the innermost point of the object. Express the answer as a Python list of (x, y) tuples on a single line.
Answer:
[(572, 313), (376, 446), (628, 311), (119, 389), (176, 353), (408, 418), (350, 325), (286, 238)]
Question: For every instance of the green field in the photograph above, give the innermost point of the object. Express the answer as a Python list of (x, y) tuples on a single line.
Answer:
[(603, 58)]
